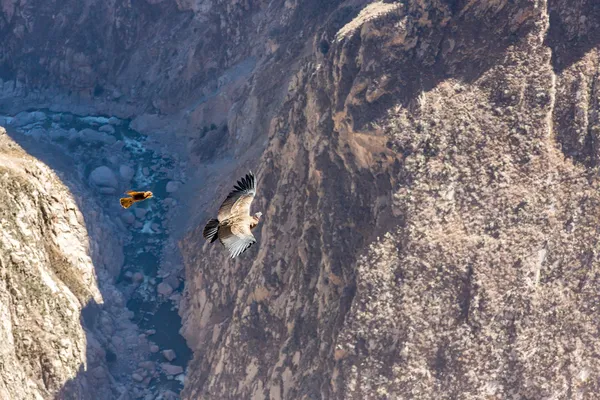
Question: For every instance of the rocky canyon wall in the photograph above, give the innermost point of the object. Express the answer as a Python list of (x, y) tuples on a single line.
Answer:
[(426, 170), (49, 287), (431, 214)]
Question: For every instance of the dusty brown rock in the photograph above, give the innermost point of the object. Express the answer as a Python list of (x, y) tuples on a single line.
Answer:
[(170, 369), (164, 289), (169, 354), (147, 365)]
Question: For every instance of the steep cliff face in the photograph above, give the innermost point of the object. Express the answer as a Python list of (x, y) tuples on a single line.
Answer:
[(430, 215), (47, 278)]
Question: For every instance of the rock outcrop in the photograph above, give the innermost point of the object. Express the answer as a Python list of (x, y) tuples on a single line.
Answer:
[(47, 282), (104, 179)]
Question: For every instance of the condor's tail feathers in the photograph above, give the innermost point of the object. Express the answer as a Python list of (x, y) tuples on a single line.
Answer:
[(210, 230)]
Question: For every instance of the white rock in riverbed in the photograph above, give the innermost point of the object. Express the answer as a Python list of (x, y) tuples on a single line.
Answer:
[(26, 118), (170, 369), (104, 177), (137, 377), (37, 133), (58, 133)]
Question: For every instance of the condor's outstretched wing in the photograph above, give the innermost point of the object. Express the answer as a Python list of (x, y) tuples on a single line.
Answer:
[(237, 238), (238, 200)]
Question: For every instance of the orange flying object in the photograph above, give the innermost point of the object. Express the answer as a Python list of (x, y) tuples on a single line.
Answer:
[(126, 202)]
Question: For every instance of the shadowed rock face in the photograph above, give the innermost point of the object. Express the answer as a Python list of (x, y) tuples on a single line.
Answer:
[(425, 173), (188, 60), (48, 286)]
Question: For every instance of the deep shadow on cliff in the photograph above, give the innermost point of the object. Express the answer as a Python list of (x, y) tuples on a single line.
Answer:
[(79, 387), (116, 348), (94, 380), (51, 271), (573, 36), (573, 31)]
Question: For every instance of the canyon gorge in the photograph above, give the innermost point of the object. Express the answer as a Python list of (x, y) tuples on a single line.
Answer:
[(427, 172)]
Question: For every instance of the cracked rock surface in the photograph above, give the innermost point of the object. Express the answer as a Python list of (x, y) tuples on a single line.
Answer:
[(431, 216), (47, 280)]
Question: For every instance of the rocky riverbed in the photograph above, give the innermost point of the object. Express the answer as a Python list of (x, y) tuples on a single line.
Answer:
[(106, 157)]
